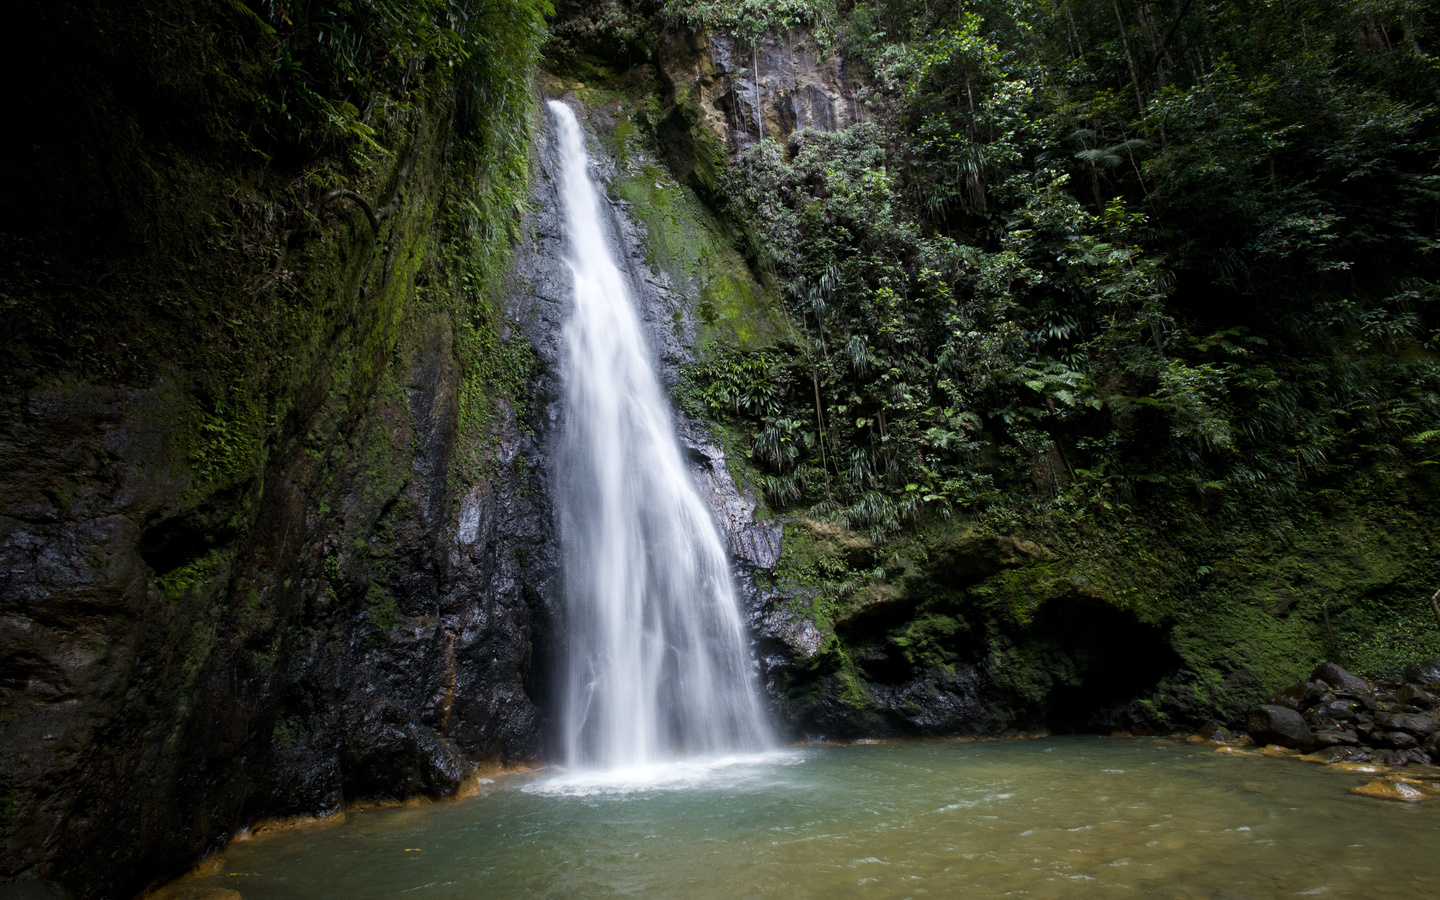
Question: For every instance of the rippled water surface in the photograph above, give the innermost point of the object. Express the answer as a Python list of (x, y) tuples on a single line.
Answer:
[(1062, 817)]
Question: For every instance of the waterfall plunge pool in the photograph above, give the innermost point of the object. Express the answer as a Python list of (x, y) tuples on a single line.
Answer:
[(1049, 818)]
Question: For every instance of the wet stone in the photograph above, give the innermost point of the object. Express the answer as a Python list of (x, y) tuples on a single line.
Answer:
[(1417, 758), (1410, 722), (1362, 767), (1329, 737), (1291, 697), (1398, 739), (1413, 695), (1339, 710), (1214, 731), (1391, 789), (1273, 724), (1339, 678), (1427, 672)]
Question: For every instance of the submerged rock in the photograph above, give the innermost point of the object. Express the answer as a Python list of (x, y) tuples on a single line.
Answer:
[(1391, 789), (1346, 755), (185, 890), (1214, 731)]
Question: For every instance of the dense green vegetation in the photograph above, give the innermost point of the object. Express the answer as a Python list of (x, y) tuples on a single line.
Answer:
[(1114, 273), (1189, 258)]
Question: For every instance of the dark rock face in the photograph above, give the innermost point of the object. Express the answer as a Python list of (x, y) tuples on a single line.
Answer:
[(1273, 724), (349, 621), (795, 85), (141, 730)]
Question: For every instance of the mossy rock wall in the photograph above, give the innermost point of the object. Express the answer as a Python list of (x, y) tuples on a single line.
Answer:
[(264, 552)]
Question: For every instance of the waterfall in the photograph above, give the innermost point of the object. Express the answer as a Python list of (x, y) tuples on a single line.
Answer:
[(656, 659)]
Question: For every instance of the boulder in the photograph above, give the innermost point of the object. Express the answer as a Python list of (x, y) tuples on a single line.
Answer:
[(1329, 737), (1301, 695), (1414, 696), (1427, 672), (1271, 723), (1363, 698), (1416, 724), (1400, 740), (1338, 678), (1414, 756), (1214, 731), (1334, 710), (1292, 697)]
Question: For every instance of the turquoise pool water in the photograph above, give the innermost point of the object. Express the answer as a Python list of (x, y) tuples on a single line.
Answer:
[(1059, 817)]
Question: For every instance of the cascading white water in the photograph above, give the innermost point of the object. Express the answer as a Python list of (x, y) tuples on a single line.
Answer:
[(656, 657)]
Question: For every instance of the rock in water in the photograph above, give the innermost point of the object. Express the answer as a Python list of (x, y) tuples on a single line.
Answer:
[(1214, 731), (1391, 789), (1338, 678), (1345, 755), (1270, 723)]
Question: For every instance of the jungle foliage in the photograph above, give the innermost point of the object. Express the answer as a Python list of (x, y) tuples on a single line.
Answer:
[(1117, 253), (1151, 283)]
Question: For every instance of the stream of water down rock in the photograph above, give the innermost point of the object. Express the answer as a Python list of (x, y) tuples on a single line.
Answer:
[(656, 661)]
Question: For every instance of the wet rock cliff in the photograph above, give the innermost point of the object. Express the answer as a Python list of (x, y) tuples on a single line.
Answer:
[(274, 532), (275, 520)]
